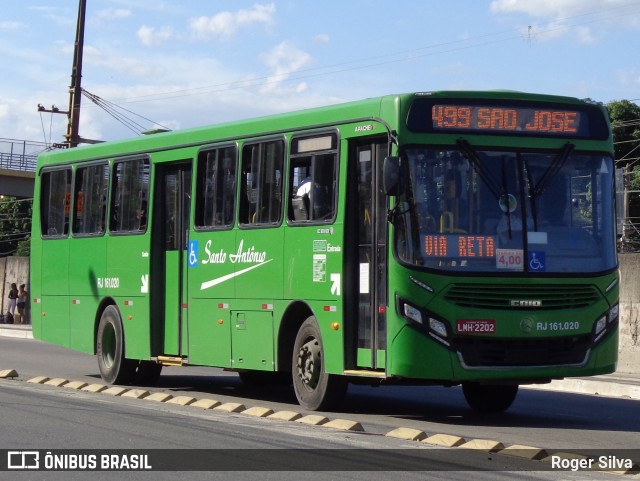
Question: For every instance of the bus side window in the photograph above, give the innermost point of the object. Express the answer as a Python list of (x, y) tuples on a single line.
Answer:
[(261, 183), (55, 204), (91, 187), (313, 169), (129, 190), (216, 188)]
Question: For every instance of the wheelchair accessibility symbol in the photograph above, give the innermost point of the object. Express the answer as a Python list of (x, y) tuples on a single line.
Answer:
[(537, 261), (193, 253)]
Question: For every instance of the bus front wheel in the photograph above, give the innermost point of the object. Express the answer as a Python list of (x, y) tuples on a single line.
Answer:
[(114, 368), (314, 388), (489, 398)]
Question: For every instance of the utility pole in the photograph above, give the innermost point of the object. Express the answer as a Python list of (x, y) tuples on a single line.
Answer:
[(75, 89)]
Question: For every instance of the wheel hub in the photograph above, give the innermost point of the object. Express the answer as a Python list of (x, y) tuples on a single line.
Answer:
[(309, 363)]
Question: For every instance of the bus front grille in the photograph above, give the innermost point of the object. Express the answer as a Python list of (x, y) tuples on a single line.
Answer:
[(501, 296), (481, 352)]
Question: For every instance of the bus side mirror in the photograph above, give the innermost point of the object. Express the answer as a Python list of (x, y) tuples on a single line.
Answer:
[(391, 173)]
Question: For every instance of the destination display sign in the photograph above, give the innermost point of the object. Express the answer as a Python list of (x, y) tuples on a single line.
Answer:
[(459, 246), (504, 117)]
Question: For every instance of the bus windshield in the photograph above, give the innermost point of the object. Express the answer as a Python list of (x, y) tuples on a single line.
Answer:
[(464, 209)]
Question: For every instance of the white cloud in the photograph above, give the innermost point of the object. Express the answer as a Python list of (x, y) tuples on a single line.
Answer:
[(284, 60), (579, 19), (4, 110), (8, 25), (322, 38), (113, 13), (225, 24), (629, 78), (124, 66), (553, 8), (151, 36)]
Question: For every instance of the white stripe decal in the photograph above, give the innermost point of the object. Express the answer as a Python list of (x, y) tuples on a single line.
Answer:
[(220, 280)]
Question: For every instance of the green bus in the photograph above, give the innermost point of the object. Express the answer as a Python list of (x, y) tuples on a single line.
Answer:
[(438, 238)]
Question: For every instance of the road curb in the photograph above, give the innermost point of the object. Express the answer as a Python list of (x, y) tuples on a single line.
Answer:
[(534, 454), (622, 389), (17, 332)]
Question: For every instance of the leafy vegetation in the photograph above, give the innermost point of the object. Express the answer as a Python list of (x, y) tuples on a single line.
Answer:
[(15, 226)]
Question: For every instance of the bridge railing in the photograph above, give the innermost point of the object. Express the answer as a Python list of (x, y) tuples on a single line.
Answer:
[(26, 163), (20, 154)]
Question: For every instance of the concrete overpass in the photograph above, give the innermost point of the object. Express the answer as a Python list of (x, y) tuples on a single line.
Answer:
[(18, 166)]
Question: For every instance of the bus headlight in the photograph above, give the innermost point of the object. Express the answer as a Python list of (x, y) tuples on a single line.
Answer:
[(605, 323), (438, 327), (412, 313), (600, 325), (613, 314), (423, 321)]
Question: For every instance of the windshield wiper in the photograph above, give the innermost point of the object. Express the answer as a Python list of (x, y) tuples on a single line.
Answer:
[(496, 189), (499, 191), (552, 170)]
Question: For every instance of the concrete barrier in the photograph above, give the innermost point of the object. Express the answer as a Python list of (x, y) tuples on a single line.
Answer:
[(629, 350)]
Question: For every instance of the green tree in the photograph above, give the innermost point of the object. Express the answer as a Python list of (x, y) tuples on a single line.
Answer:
[(625, 121), (15, 226)]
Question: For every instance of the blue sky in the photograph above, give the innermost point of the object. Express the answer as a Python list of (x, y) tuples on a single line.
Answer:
[(193, 62)]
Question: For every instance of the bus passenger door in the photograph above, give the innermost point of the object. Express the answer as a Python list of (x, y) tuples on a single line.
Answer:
[(169, 260), (366, 262)]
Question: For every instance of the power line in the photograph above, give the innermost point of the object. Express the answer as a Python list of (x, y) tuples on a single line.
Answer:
[(374, 61), (116, 112)]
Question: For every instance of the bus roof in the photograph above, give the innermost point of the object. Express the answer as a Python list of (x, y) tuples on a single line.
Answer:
[(386, 107)]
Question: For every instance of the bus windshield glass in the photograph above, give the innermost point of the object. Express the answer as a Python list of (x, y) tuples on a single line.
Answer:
[(466, 209)]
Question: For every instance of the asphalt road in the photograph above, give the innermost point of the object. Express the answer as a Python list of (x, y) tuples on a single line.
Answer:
[(61, 423), (549, 420)]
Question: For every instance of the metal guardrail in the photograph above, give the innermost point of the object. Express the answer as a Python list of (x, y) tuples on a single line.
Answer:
[(20, 154), (25, 163)]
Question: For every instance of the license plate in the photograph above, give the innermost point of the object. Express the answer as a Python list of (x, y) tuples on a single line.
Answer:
[(476, 326)]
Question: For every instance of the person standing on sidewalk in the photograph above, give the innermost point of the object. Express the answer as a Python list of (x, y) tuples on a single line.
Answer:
[(13, 298), (21, 304)]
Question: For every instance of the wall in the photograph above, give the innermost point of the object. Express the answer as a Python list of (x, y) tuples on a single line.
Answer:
[(14, 269), (629, 351)]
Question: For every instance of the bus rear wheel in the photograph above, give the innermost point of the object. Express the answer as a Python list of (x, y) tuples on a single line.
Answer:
[(489, 398), (114, 368), (314, 388)]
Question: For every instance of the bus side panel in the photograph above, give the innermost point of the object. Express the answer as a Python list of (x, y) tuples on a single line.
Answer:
[(55, 292), (252, 339), (209, 332), (211, 287), (258, 263), (35, 276), (313, 270), (88, 257), (126, 278), (82, 314)]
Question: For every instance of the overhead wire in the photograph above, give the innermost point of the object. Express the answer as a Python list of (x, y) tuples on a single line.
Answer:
[(407, 55), (116, 111)]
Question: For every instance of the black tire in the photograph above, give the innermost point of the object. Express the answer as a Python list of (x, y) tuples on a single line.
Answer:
[(114, 368), (315, 389), (489, 398)]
